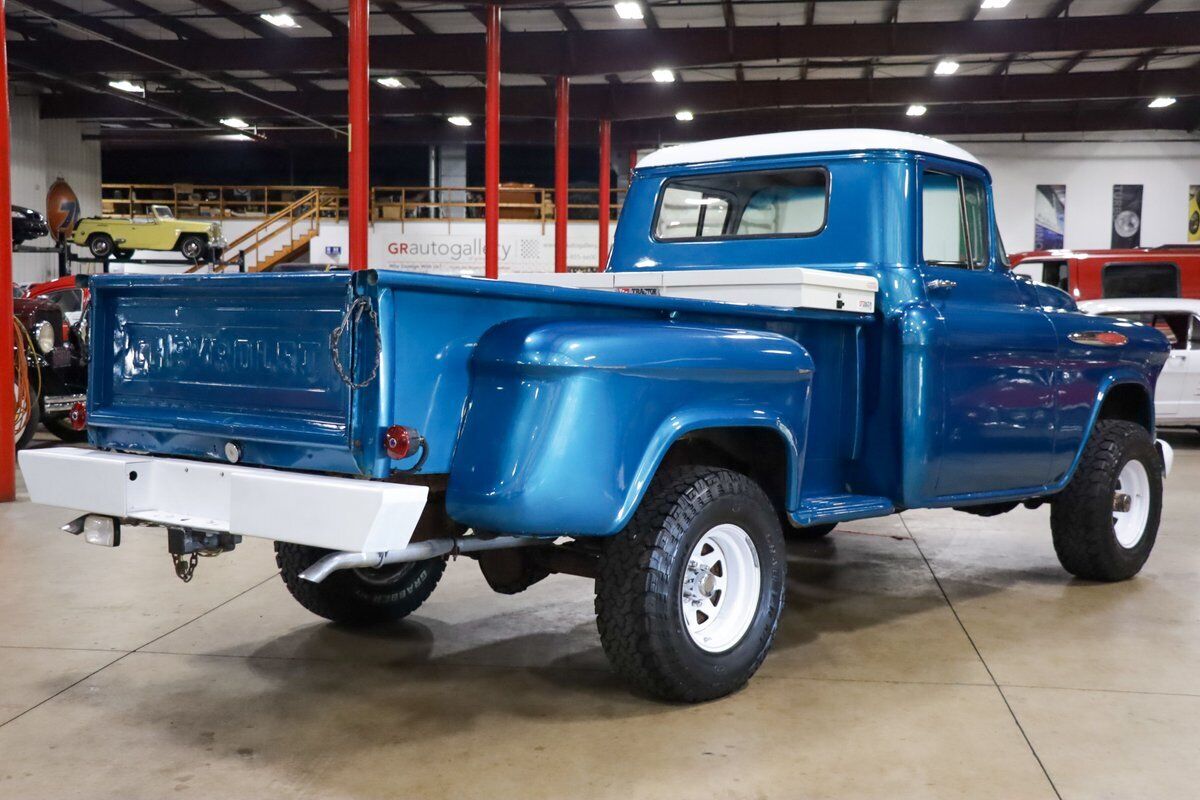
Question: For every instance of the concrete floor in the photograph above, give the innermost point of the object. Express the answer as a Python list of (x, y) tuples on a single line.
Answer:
[(930, 655)]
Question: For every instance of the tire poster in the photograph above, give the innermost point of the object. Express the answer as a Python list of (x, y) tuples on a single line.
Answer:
[(1049, 216), (1126, 215), (1193, 214)]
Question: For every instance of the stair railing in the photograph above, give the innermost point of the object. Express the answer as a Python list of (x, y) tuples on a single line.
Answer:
[(304, 211)]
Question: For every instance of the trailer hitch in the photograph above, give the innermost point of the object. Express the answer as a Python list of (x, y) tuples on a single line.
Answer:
[(188, 546)]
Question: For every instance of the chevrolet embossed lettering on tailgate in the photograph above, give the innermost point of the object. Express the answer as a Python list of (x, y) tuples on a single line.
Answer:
[(192, 362), (275, 357)]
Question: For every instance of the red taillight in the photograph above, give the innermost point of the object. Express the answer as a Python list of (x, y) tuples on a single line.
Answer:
[(401, 441), (66, 331), (78, 417)]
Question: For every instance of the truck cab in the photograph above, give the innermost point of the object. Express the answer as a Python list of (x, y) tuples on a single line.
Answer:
[(794, 330)]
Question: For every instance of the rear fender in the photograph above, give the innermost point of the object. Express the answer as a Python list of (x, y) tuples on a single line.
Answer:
[(568, 420)]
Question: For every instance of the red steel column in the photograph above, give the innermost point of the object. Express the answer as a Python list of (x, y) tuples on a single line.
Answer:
[(605, 167), (8, 411), (360, 132), (561, 144), (491, 165)]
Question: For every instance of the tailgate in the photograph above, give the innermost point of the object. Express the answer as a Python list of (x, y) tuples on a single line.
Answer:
[(186, 365)]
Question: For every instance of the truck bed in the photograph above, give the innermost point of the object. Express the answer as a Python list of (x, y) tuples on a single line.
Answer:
[(186, 365)]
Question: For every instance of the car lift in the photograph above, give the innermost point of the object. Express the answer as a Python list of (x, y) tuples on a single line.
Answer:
[(66, 258)]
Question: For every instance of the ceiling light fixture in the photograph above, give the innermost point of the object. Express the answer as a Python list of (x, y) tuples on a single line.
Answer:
[(628, 10), (390, 82), (994, 4), (946, 67), (459, 120), (916, 110), (684, 116), (663, 75), (280, 19), (127, 86), (1162, 102), (236, 123)]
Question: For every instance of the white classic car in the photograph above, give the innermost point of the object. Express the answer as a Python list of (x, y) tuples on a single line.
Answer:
[(1177, 398)]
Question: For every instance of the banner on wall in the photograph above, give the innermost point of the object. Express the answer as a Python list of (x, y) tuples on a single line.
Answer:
[(458, 248), (1126, 215), (1194, 214), (1049, 216)]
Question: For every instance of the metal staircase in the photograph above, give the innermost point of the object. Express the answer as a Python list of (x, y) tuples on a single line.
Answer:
[(280, 237)]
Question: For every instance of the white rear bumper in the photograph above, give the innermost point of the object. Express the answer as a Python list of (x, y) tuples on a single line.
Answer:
[(334, 513)]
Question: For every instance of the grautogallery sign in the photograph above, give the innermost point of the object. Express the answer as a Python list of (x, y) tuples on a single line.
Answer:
[(459, 247)]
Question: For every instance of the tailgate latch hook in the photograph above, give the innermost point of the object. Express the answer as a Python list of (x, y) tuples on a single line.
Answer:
[(356, 311)]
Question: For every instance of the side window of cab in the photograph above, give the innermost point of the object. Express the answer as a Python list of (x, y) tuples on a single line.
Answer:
[(954, 221)]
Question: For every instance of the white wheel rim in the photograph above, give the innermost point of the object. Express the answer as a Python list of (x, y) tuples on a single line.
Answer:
[(721, 585), (1131, 504)]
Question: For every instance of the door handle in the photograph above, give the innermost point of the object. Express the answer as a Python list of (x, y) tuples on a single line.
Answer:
[(941, 285)]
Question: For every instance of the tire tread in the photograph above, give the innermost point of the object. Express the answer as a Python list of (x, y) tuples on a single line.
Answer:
[(635, 578), (1080, 517), (336, 597)]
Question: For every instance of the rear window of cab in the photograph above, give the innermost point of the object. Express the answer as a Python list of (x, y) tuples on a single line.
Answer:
[(743, 205)]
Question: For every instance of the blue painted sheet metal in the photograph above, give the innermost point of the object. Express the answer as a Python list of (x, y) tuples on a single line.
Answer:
[(184, 364), (188, 363), (432, 325), (569, 419)]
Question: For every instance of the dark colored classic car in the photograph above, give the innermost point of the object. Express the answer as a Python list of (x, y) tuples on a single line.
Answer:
[(28, 224), (56, 363), (63, 292)]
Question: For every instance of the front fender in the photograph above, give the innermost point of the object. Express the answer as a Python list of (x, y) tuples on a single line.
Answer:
[(568, 420), (1120, 378)]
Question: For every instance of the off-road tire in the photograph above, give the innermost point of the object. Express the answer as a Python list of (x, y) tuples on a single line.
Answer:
[(59, 424), (192, 247), (639, 589), (1081, 517), (811, 533), (24, 437), (101, 245), (352, 596)]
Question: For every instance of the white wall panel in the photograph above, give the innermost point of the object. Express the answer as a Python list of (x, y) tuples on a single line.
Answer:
[(1089, 170), (43, 150)]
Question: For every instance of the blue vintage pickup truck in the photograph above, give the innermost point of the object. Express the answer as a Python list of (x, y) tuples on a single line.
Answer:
[(794, 330)]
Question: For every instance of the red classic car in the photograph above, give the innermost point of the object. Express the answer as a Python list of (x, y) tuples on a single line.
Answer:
[(63, 293), (56, 369), (1172, 270)]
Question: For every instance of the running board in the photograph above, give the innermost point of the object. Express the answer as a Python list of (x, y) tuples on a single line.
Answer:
[(839, 508)]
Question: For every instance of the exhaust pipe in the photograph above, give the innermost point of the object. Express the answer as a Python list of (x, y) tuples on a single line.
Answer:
[(417, 551)]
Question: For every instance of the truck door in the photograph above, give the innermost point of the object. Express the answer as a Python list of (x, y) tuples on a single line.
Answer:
[(999, 350)]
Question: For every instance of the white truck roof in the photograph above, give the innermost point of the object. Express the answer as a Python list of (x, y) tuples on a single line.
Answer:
[(801, 142)]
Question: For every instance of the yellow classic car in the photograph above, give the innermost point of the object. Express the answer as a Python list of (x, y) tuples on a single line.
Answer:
[(118, 238)]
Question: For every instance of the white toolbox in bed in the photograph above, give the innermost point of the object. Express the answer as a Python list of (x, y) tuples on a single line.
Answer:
[(779, 287)]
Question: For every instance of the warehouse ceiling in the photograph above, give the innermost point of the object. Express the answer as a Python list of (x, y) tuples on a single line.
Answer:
[(1031, 66)]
